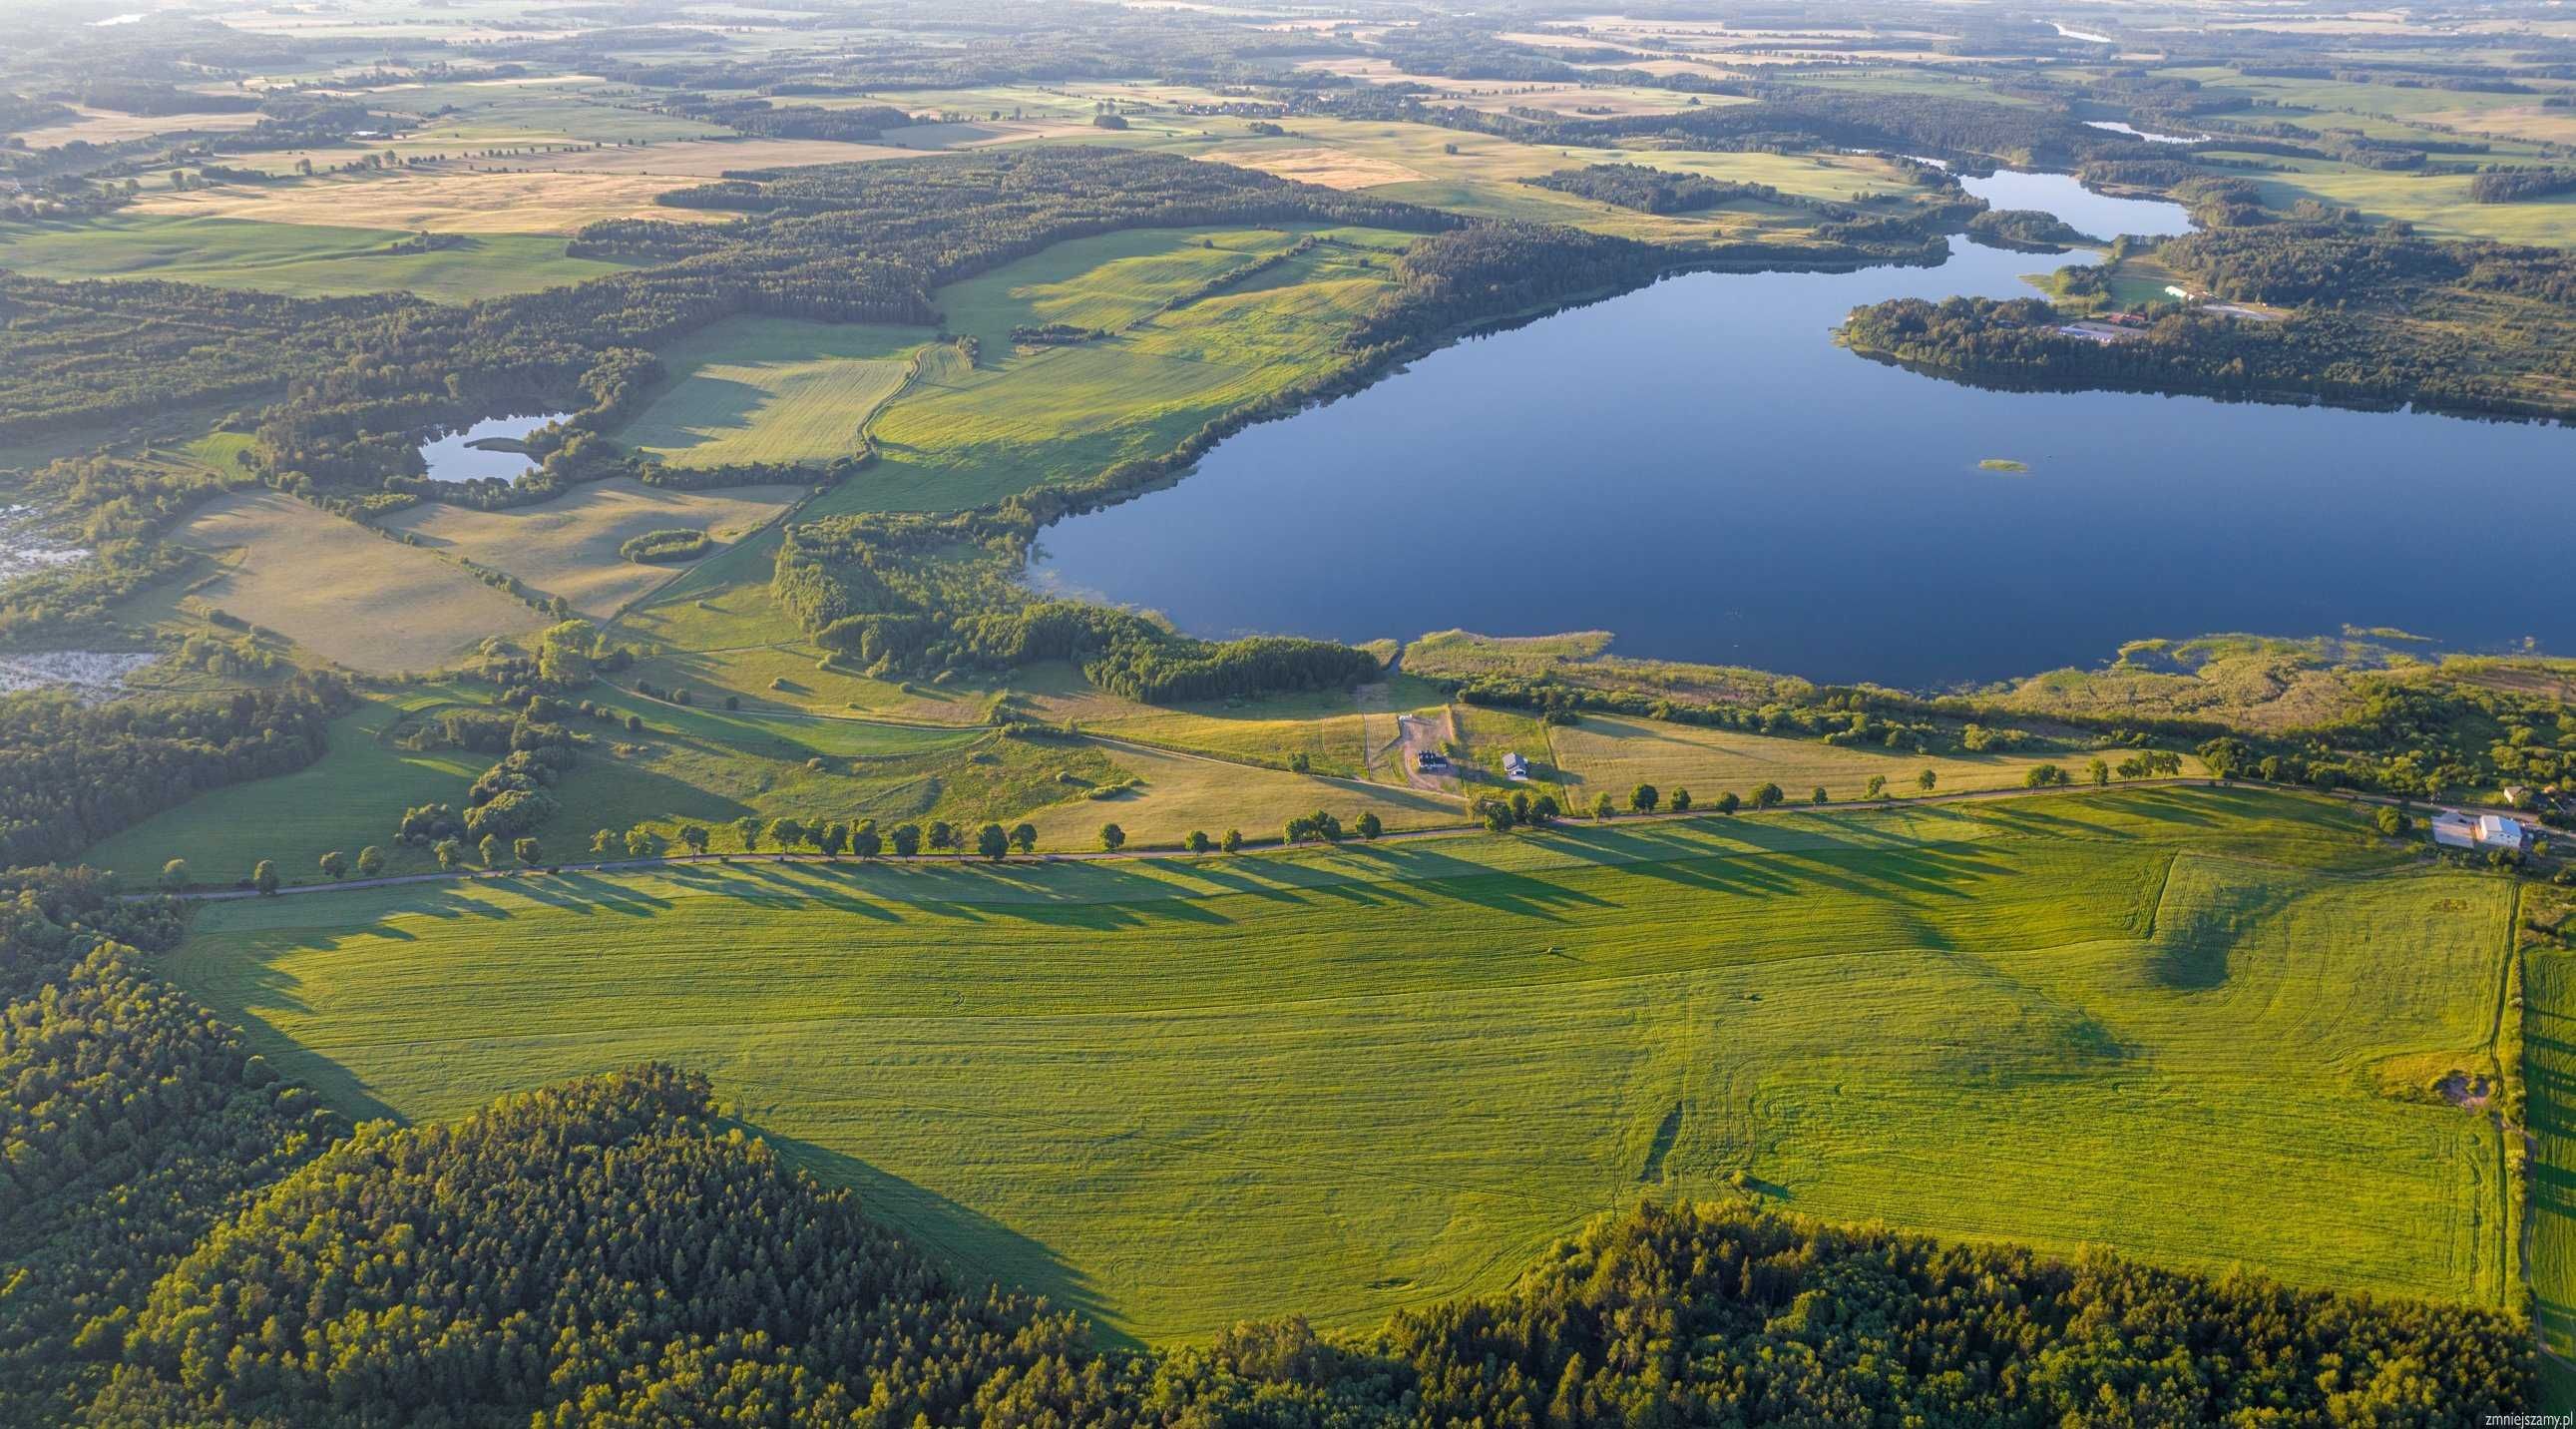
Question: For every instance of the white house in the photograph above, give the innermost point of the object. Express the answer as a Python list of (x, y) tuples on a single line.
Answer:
[(1515, 768), (2481, 831)]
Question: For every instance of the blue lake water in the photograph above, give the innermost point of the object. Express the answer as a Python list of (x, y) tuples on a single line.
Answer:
[(454, 457), (1696, 467)]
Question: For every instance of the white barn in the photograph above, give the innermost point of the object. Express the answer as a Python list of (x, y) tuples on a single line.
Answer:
[(2481, 831)]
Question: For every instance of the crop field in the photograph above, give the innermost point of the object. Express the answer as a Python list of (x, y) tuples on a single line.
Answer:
[(296, 259), (349, 799), (1614, 754), (1017, 419), (475, 203), (569, 546), (2189, 1025), (342, 591), (753, 389)]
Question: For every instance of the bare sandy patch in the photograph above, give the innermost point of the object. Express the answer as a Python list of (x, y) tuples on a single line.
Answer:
[(568, 546), (343, 591), (442, 202), (1332, 168)]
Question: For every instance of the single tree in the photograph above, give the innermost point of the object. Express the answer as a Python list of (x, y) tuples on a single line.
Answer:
[(831, 838), (1112, 837), (1370, 826), (1644, 798), (174, 874), (747, 829), (1768, 797), (448, 852), (1494, 814), (1876, 788), (639, 842), (1543, 811), (2098, 771), (1231, 841), (786, 833), (371, 861), (992, 841), (2043, 776), (1199, 842), (944, 837), (526, 852), (907, 840), (865, 841), (603, 842), (2392, 821), (264, 877), (1681, 801), (1024, 837), (1728, 802), (693, 837), (1926, 780), (1601, 805), (335, 865), (490, 848)]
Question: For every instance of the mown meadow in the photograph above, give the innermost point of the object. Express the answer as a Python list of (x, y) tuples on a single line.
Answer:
[(2195, 1025)]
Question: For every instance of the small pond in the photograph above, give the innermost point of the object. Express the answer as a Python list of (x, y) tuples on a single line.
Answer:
[(464, 456)]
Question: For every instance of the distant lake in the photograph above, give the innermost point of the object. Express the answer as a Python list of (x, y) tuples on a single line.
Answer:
[(454, 457), (1698, 468)]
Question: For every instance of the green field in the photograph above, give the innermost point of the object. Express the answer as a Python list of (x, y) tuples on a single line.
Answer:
[(2193, 1025), (753, 389), (297, 259), (350, 798), (1022, 417)]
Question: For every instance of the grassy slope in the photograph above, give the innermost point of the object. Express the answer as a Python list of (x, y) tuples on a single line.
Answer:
[(350, 799), (771, 390), (1181, 1094), (298, 259), (569, 546), (1022, 418)]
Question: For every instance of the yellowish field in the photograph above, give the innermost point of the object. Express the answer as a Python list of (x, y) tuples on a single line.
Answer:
[(568, 546), (342, 591), (106, 126), (1333, 168), (1612, 754), (439, 202), (1177, 793)]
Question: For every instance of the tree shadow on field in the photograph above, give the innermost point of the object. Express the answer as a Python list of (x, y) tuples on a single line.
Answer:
[(964, 1238), (588, 893), (718, 406)]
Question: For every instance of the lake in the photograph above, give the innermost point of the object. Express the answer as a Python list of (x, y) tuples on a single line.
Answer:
[(454, 457), (1698, 468)]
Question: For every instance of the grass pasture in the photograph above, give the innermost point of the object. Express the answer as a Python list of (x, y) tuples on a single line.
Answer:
[(340, 590), (301, 260), (1613, 754), (569, 546), (1174, 794), (1180, 1094), (347, 800), (753, 389), (1022, 418)]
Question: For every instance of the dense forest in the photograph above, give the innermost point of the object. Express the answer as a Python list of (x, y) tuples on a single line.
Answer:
[(73, 773), (2471, 327), (1649, 190), (613, 1251)]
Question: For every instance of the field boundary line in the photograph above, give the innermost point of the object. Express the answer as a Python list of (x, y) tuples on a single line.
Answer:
[(1256, 847)]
